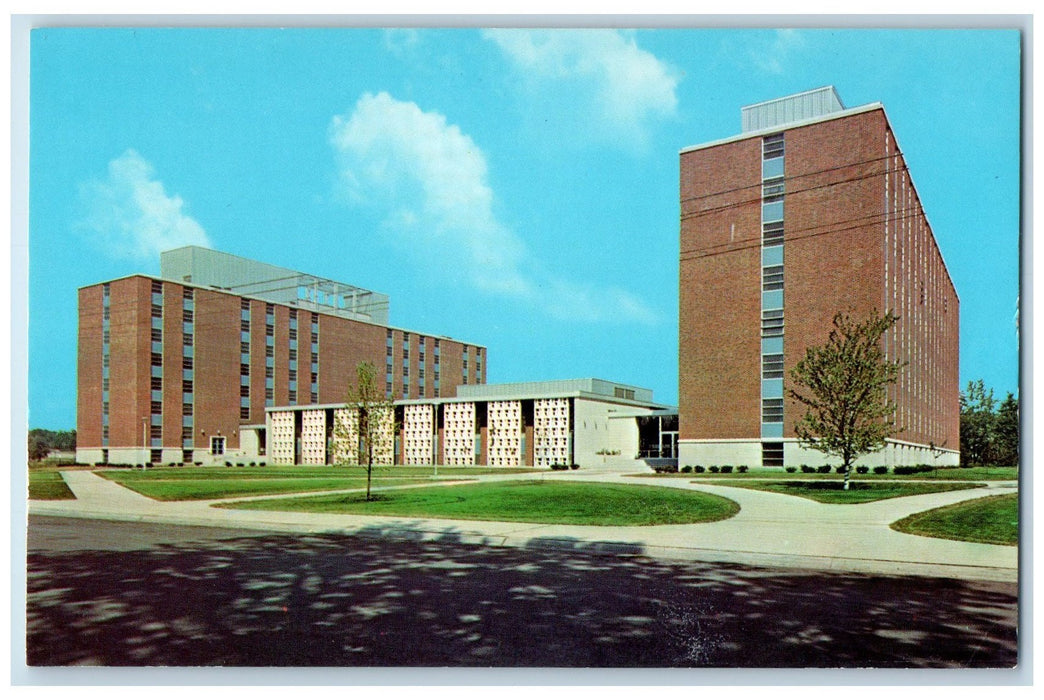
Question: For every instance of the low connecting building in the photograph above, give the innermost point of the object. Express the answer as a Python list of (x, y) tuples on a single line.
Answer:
[(589, 422)]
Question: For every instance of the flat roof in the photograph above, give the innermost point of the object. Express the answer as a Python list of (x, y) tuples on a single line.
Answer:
[(300, 307), (784, 127)]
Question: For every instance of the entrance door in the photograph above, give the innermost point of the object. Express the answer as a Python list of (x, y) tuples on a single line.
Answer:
[(669, 444)]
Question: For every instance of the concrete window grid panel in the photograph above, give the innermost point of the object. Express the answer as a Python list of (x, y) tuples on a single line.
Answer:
[(346, 436), (459, 434), (281, 432), (313, 436), (550, 431), (505, 433), (418, 423)]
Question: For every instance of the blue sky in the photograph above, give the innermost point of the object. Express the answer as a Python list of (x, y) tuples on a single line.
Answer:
[(511, 188)]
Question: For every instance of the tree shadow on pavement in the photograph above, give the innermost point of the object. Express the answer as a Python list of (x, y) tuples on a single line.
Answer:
[(369, 601)]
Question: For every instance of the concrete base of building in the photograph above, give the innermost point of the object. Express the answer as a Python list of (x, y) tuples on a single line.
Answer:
[(748, 452), (168, 455)]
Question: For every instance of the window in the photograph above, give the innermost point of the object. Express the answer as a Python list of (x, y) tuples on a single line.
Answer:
[(772, 410), (772, 366), (772, 323), (772, 233), (156, 383), (772, 454), (217, 445), (772, 147), (772, 278), (772, 190)]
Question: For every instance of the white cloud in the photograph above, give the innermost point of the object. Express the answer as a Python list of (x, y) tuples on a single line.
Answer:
[(399, 40), (130, 215), (774, 57), (611, 82), (431, 181)]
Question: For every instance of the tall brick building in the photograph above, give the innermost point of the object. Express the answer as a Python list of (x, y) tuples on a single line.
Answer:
[(181, 367), (809, 211)]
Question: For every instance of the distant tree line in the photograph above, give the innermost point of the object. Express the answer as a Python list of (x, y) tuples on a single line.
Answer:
[(42, 441), (989, 428)]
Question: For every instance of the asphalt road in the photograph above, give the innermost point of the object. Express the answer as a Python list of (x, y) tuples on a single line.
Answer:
[(125, 594)]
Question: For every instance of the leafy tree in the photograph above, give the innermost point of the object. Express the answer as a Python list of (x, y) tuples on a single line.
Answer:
[(978, 423), (1006, 432), (38, 448), (366, 426), (843, 386), (55, 439)]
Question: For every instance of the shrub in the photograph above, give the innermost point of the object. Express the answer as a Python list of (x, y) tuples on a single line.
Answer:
[(880, 470), (171, 464), (805, 469), (825, 469), (198, 464), (575, 465), (727, 469), (862, 470), (253, 464), (713, 469), (687, 469), (791, 470), (840, 470), (228, 464), (559, 467), (147, 465), (699, 469), (904, 471), (742, 469)]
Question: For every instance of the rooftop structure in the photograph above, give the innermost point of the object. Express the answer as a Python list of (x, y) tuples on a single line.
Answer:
[(251, 278)]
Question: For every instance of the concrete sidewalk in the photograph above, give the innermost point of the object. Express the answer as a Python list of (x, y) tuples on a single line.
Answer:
[(770, 529)]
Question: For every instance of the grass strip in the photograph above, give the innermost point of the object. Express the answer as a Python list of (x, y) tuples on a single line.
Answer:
[(547, 502), (859, 491), (47, 485), (990, 520)]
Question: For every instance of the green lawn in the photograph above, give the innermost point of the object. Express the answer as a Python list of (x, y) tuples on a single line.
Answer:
[(552, 502), (859, 491), (48, 485), (204, 483), (992, 520), (947, 474)]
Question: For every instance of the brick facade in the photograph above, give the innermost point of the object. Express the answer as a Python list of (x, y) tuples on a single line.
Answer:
[(855, 239), (224, 327)]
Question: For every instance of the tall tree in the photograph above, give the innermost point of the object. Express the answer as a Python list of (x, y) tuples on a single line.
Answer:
[(978, 423), (365, 428), (1006, 432), (843, 386)]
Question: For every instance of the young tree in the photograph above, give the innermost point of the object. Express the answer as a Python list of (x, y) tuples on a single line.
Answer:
[(365, 428), (843, 386), (978, 423)]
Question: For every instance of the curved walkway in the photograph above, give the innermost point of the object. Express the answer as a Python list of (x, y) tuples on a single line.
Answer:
[(770, 529)]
